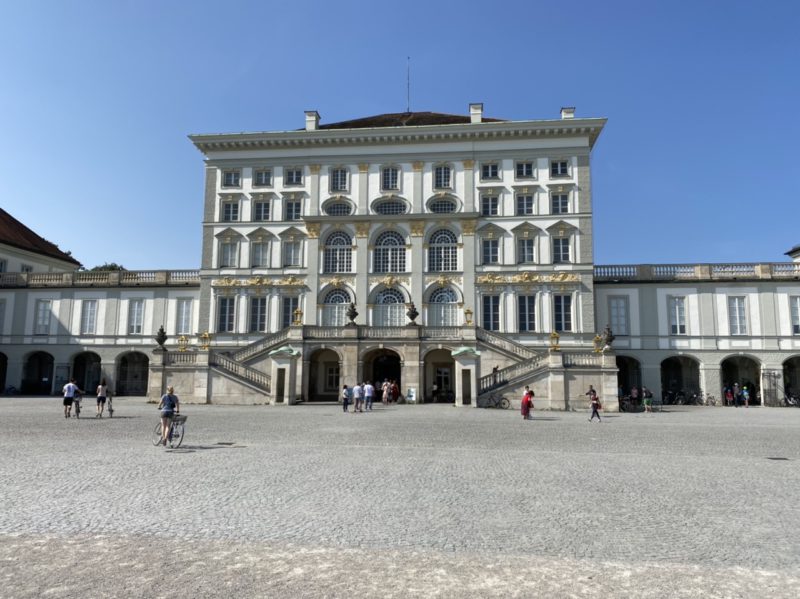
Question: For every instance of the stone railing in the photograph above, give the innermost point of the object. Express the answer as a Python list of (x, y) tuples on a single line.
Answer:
[(438, 332), (263, 344), (505, 343), (256, 377), (180, 357), (320, 332), (508, 374), (697, 272), (571, 360), (380, 332), (121, 278)]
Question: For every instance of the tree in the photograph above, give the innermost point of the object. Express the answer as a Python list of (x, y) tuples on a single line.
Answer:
[(108, 266)]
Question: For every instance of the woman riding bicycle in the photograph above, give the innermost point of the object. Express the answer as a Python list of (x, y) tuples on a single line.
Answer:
[(169, 406)]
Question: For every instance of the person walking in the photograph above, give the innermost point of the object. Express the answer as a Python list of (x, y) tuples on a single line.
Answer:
[(71, 391), (527, 404), (746, 396), (395, 392), (358, 398), (595, 401), (647, 395), (737, 395), (386, 391), (169, 406), (102, 393), (347, 395), (369, 395)]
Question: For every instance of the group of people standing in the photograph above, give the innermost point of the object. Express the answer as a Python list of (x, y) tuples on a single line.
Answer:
[(737, 396), (362, 396), (73, 393)]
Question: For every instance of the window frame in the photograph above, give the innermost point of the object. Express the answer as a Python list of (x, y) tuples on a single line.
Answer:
[(228, 325), (490, 251), (235, 175), (521, 255), (262, 171), (255, 216), (136, 307), (490, 312), (562, 314), (289, 181), (440, 169), (490, 204), (43, 316), (676, 312), (794, 313), (258, 314), (334, 184), (296, 212), (490, 171), (397, 176), (528, 310), (443, 254), (560, 246), (262, 246), (524, 177), (183, 317), (228, 256), (563, 202), (555, 168), (737, 315), (619, 323), (289, 303), (528, 207), (229, 211), (296, 252), (88, 325)]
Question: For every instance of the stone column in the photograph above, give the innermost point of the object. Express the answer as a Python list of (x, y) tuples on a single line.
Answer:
[(418, 265), (608, 385), (284, 358), (557, 389), (363, 188), (771, 386), (468, 265), (466, 360), (362, 271), (312, 268), (710, 381), (469, 186), (417, 199), (313, 189)]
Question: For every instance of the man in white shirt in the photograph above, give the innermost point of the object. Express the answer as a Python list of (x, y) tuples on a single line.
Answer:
[(70, 390), (358, 398), (369, 394)]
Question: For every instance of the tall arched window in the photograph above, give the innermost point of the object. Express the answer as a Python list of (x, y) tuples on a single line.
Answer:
[(334, 308), (390, 253), (443, 251), (442, 308), (338, 253), (389, 310)]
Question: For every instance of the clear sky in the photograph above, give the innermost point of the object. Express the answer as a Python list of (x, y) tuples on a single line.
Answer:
[(698, 162)]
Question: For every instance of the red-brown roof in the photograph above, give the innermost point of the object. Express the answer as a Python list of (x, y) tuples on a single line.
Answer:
[(15, 234), (405, 119)]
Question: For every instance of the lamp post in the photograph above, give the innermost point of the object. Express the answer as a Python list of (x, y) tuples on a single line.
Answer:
[(467, 316), (554, 337)]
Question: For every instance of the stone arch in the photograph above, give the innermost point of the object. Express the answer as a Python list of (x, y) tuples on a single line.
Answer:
[(388, 306), (334, 302), (680, 374), (382, 363), (438, 376), (791, 376), (37, 374), (442, 302), (132, 373), (338, 206), (325, 375), (86, 370), (744, 370), (390, 205), (443, 203), (629, 374)]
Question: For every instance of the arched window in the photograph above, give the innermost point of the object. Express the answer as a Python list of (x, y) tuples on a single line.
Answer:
[(442, 206), (334, 308), (390, 207), (390, 253), (442, 308), (338, 253), (389, 310), (338, 209), (442, 251)]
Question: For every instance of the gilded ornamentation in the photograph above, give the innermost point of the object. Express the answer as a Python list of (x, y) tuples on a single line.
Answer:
[(363, 168), (491, 279), (417, 229), (291, 281), (314, 168), (418, 166), (313, 230), (362, 229), (443, 281), (259, 281), (468, 226), (225, 282), (469, 164)]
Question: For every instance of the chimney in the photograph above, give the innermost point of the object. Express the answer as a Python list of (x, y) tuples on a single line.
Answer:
[(567, 112), (312, 120), (476, 113)]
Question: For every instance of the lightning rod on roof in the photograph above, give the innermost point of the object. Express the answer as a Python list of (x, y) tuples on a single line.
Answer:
[(408, 84)]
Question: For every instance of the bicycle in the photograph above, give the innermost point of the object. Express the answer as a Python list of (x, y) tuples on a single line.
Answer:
[(110, 405), (76, 401), (497, 401), (176, 431)]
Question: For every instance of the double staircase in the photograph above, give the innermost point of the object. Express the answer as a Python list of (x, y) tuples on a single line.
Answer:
[(232, 365)]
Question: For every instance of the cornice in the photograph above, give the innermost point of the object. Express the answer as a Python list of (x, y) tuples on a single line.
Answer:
[(221, 142)]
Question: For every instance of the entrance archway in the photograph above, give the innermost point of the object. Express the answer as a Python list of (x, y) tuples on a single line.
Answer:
[(679, 374), (3, 371), (86, 371), (324, 383), (630, 373), (791, 377), (439, 371), (745, 371), (132, 374), (380, 365), (37, 374)]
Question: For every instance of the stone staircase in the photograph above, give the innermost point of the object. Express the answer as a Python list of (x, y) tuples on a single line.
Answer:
[(260, 346), (505, 345), (252, 378)]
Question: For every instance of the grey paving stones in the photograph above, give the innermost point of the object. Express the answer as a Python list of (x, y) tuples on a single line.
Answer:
[(404, 501)]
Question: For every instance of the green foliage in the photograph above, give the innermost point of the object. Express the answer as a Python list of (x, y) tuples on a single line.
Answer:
[(108, 266)]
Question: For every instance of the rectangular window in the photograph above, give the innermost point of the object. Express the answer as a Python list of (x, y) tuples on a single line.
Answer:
[(562, 313), (794, 306), (559, 168), (231, 178), (88, 317), (288, 306), (183, 317), (262, 178), (2, 315), (26, 268), (228, 254), (293, 176), (293, 210), (441, 177), (339, 179), (525, 251), (2, 266), (332, 378), (524, 170), (559, 203), (261, 211), (677, 315), (259, 251), (258, 314), (489, 205), (561, 250), (44, 309), (136, 317), (291, 253), (390, 178), (491, 253), (230, 211), (490, 172), (226, 314), (491, 312), (527, 313), (737, 316), (618, 315), (524, 205)]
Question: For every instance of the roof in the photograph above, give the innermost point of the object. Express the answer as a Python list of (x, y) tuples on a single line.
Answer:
[(405, 119), (15, 234), (793, 251)]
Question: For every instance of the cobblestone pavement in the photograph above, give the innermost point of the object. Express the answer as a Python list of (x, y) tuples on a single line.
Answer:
[(407, 501)]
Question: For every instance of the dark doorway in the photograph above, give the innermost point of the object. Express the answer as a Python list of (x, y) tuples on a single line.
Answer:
[(680, 375), (132, 374), (744, 371), (86, 371), (629, 375), (37, 375), (3, 371), (324, 376), (385, 365)]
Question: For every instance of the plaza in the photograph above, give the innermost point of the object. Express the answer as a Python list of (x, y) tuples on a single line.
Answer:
[(406, 501)]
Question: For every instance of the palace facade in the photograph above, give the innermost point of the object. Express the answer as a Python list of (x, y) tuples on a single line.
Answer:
[(446, 252)]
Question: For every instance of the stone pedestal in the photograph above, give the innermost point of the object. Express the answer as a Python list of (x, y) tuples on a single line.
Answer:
[(466, 376), (284, 375)]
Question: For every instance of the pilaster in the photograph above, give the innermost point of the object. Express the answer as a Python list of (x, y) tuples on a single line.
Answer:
[(469, 186), (362, 271), (363, 188), (416, 196), (314, 194)]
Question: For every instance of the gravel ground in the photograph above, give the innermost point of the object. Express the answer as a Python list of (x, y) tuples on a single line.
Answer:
[(407, 501)]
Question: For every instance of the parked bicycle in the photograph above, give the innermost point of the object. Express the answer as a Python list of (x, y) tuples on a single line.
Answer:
[(791, 401), (177, 428), (76, 403), (496, 401), (110, 406)]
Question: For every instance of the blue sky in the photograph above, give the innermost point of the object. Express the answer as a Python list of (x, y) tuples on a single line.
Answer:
[(698, 161)]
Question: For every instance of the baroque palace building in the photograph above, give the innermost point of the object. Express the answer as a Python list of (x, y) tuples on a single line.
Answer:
[(446, 252)]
